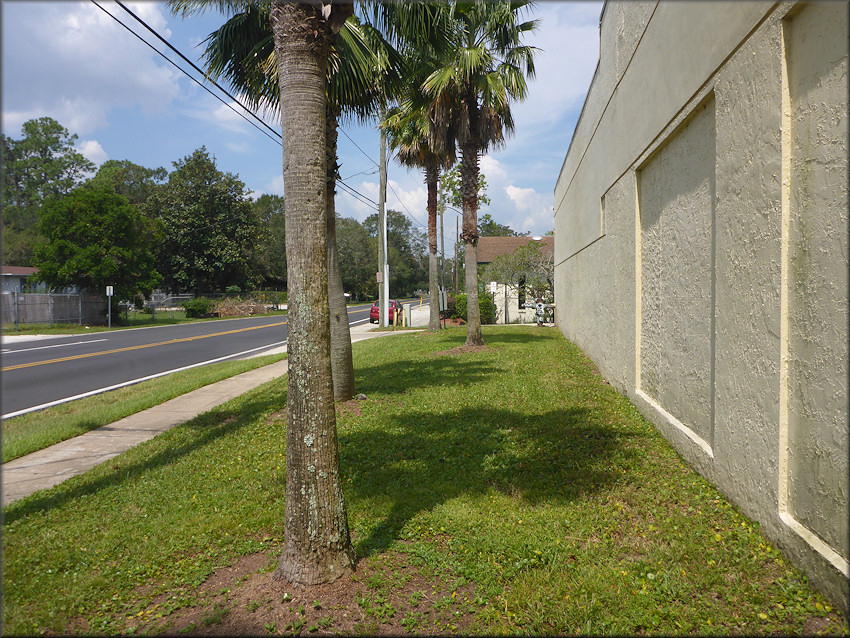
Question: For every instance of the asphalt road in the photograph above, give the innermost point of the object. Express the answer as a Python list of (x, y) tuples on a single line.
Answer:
[(40, 373)]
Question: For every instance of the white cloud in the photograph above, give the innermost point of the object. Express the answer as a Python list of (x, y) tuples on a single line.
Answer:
[(522, 208), (238, 147), (492, 169), (275, 186), (568, 43), (78, 63), (92, 150), (230, 116), (413, 202), (523, 198), (568, 36)]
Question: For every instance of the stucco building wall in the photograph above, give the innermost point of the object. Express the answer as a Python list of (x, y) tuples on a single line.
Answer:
[(701, 251)]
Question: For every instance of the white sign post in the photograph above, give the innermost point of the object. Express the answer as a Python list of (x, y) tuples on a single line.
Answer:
[(109, 312)]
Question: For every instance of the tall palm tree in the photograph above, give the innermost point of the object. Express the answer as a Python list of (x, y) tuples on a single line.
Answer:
[(362, 68), (419, 142), (473, 85), (317, 543)]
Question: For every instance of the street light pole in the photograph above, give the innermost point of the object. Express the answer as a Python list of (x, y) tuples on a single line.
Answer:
[(384, 269)]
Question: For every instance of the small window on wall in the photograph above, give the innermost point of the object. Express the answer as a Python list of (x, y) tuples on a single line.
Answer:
[(521, 295)]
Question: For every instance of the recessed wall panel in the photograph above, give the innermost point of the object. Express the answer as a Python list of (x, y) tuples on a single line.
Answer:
[(676, 200), (818, 424)]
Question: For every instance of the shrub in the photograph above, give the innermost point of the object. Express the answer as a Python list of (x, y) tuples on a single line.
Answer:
[(460, 306), (197, 307), (233, 289), (486, 308)]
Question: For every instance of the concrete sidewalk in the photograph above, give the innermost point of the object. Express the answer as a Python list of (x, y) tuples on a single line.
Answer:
[(57, 463)]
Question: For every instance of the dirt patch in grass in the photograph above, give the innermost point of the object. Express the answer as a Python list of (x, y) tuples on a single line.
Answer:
[(387, 595), (279, 416), (461, 350), (350, 407)]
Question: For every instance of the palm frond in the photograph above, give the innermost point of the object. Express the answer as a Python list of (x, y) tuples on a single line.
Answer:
[(185, 8)]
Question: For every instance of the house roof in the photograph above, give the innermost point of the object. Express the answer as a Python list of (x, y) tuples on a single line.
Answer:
[(25, 271), (491, 247)]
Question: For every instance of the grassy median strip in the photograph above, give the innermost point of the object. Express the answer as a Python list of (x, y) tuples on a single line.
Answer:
[(34, 431), (507, 489)]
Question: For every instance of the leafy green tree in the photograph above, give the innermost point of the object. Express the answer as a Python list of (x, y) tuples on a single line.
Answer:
[(210, 229), (489, 227), (478, 77), (357, 258), (530, 269), (450, 185), (134, 182), (95, 238), (271, 253), (42, 164), (406, 252)]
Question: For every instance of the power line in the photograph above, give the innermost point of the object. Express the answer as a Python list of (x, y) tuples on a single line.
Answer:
[(357, 195), (194, 66), (278, 137), (362, 173), (358, 148), (409, 214), (188, 75)]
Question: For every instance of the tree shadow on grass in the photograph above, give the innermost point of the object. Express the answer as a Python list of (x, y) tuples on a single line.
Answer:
[(423, 459), (493, 335), (134, 464), (404, 374)]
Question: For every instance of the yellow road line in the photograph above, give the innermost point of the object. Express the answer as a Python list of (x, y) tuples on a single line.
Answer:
[(147, 345)]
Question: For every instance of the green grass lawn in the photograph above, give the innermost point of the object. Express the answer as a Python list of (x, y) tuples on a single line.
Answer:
[(515, 472), (37, 430)]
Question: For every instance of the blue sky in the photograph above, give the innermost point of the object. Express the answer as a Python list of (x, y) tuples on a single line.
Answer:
[(70, 61)]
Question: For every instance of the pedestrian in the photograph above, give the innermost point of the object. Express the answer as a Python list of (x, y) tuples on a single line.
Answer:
[(540, 311)]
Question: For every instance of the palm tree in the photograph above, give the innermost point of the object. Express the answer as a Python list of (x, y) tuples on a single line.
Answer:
[(317, 543), (472, 86), (362, 67), (417, 142)]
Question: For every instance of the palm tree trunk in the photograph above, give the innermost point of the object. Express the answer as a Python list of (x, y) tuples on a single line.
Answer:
[(317, 544), (431, 176), (469, 195), (342, 363)]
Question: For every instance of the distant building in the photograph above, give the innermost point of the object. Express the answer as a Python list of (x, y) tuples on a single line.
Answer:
[(15, 279), (701, 253), (510, 296)]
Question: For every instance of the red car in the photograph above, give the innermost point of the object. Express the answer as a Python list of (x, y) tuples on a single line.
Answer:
[(375, 313)]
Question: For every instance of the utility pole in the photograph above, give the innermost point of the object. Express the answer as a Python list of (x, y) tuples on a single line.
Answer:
[(384, 269), (441, 208), (457, 243), (442, 251)]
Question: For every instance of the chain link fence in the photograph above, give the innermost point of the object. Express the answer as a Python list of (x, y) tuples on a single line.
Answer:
[(52, 308), (87, 309)]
